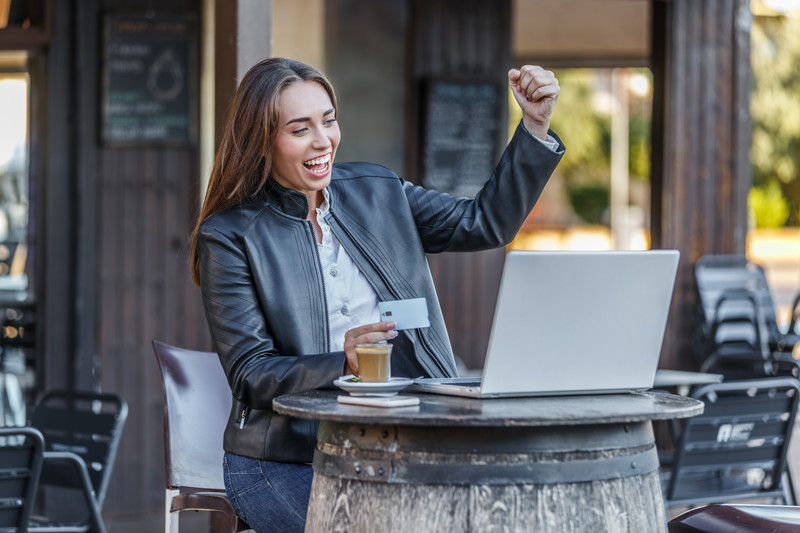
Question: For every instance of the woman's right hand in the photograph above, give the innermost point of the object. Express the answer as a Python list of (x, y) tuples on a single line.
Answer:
[(366, 334), (536, 91)]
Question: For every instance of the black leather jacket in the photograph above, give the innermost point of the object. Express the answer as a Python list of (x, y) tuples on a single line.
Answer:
[(264, 294)]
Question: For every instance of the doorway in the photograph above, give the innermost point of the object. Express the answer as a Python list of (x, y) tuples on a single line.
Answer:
[(16, 300)]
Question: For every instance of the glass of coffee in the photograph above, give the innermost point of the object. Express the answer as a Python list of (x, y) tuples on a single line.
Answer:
[(373, 362)]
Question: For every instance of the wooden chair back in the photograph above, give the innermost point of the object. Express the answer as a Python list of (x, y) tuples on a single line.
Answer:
[(197, 402)]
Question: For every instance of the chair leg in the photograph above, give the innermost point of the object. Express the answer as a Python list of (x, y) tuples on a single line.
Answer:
[(788, 489), (99, 525), (171, 520)]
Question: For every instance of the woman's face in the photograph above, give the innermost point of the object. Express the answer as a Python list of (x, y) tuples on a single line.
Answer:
[(306, 140)]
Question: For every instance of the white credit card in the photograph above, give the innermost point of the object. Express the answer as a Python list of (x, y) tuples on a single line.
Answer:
[(407, 314)]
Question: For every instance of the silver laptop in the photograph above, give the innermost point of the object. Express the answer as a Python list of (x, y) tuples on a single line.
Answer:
[(573, 323)]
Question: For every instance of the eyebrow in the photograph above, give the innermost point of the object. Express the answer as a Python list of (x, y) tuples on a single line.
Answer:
[(307, 119)]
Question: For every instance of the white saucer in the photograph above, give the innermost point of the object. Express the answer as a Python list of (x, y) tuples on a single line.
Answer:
[(360, 388)]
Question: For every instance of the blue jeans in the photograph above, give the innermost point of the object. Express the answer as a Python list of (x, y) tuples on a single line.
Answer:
[(268, 496)]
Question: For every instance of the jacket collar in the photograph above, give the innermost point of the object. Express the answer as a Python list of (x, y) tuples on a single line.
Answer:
[(289, 201)]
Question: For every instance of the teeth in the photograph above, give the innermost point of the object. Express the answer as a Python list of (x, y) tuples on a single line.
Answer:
[(318, 161)]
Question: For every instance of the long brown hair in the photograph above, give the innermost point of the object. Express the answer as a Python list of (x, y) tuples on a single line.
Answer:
[(244, 158)]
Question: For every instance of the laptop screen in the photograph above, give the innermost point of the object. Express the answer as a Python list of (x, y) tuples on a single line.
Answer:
[(579, 321)]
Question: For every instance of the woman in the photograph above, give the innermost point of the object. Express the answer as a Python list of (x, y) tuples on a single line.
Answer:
[(293, 253)]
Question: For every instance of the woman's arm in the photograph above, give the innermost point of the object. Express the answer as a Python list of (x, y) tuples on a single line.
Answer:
[(494, 216)]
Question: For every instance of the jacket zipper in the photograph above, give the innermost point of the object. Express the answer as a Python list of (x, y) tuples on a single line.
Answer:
[(243, 416), (246, 410), (388, 283), (324, 292), (355, 242)]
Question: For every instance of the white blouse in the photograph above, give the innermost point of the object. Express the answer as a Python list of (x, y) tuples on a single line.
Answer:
[(352, 302)]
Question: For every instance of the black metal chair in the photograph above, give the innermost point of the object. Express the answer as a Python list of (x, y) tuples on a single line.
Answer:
[(197, 404), (82, 431), (792, 330), (735, 302), (734, 345), (737, 449), (21, 455)]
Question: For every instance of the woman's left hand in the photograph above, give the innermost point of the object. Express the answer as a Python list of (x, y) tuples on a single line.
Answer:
[(536, 91)]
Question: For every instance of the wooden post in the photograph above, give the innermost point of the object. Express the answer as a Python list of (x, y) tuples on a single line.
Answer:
[(242, 37), (701, 142), (463, 39)]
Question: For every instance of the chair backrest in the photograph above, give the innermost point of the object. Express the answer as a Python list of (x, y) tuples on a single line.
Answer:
[(744, 431), (87, 424), (729, 277), (744, 326), (197, 404), (21, 451)]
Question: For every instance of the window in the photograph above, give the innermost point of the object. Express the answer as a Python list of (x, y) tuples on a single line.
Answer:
[(599, 197), (13, 180), (15, 312)]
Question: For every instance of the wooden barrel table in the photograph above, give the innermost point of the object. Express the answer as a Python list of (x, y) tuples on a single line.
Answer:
[(551, 464)]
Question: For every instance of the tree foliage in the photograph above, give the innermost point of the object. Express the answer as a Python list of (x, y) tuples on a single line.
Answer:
[(583, 120), (775, 113)]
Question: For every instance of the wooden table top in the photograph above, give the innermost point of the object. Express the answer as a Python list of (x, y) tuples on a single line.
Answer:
[(438, 410)]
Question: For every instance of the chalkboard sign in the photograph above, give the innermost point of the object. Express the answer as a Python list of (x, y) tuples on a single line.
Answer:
[(461, 134), (149, 79)]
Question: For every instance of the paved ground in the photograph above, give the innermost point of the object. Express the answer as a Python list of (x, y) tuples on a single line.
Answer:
[(778, 251)]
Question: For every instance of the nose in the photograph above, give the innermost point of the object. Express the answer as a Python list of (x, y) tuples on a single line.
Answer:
[(321, 139)]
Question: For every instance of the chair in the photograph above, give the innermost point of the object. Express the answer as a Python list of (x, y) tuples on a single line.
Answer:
[(21, 453), (734, 296), (734, 345), (197, 404), (737, 449), (737, 518), (82, 431), (792, 330)]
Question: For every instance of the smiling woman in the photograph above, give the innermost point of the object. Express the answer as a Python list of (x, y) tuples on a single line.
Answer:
[(293, 253)]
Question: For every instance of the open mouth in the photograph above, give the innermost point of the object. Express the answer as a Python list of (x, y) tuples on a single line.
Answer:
[(319, 165)]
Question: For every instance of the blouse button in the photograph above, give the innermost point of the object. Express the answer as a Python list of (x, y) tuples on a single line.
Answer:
[(334, 272), (344, 310)]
